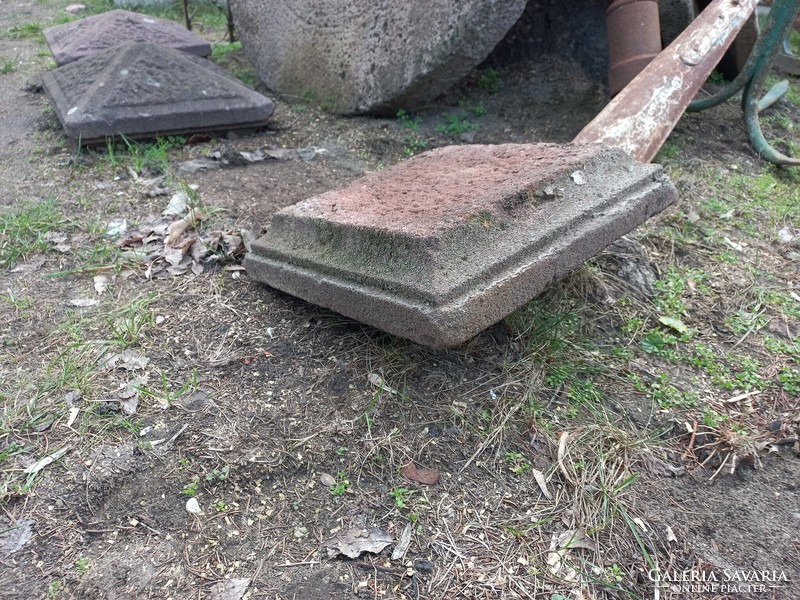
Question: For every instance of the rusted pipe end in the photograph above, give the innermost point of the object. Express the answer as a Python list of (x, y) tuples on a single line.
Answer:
[(640, 118), (634, 39)]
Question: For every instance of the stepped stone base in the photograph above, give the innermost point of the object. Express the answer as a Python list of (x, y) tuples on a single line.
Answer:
[(441, 246)]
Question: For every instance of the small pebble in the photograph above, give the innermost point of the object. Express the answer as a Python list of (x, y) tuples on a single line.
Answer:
[(423, 566)]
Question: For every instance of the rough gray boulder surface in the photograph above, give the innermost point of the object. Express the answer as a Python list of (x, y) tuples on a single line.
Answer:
[(143, 90), (369, 56), (443, 245)]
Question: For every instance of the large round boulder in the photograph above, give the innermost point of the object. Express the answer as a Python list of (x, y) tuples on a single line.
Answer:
[(369, 56)]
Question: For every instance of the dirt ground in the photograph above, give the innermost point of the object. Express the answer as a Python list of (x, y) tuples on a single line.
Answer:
[(565, 452)]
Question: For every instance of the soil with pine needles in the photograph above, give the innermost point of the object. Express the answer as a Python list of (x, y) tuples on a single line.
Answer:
[(639, 418)]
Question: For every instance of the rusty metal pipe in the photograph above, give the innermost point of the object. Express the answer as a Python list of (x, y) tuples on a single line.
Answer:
[(642, 115), (634, 39)]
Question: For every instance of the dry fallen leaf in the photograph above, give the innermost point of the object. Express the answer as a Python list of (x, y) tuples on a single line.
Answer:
[(232, 244), (54, 238), (73, 414), (562, 451), (175, 247), (175, 231), (83, 302), (128, 359), (576, 538), (177, 205), (129, 400), (130, 405), (43, 462), (229, 589), (30, 266), (353, 542), (735, 245), (556, 560), (423, 476), (671, 535), (281, 153), (173, 255), (539, 477), (379, 382), (199, 164), (194, 216), (403, 544), (101, 283), (180, 269)]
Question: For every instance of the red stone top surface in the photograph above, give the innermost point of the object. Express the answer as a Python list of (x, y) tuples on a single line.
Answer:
[(437, 189)]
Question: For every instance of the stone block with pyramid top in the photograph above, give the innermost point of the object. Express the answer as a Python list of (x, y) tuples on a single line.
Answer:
[(143, 90), (71, 41), (443, 245)]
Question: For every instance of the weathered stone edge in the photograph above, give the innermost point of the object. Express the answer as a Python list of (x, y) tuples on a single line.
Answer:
[(61, 58)]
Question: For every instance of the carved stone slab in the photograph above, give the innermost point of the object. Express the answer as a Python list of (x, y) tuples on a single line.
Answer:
[(74, 40), (143, 90)]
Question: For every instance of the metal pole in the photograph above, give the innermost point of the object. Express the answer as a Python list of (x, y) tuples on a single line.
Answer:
[(642, 115)]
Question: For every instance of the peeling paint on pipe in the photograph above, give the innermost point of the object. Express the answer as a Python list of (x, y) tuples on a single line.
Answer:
[(642, 115)]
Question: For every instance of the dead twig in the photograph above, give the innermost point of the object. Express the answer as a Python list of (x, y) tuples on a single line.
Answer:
[(379, 568), (689, 453), (721, 466), (562, 449)]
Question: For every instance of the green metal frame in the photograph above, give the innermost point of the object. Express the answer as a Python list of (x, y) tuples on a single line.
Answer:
[(751, 79)]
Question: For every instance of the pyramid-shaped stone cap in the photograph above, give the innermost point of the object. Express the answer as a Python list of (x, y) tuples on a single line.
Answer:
[(71, 41), (443, 245), (143, 90)]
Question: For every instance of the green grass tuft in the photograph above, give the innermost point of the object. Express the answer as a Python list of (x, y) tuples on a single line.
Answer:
[(22, 231)]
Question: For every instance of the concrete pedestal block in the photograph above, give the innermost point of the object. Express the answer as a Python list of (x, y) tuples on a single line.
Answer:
[(441, 246), (369, 56)]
